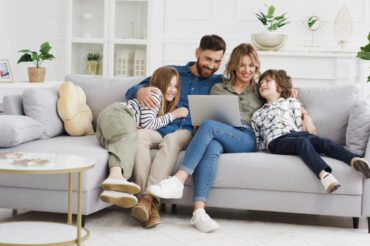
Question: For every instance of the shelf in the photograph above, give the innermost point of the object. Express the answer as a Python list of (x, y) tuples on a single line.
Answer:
[(88, 40), (131, 41)]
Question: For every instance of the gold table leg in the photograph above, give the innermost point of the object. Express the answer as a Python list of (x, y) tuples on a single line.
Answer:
[(69, 221), (79, 202)]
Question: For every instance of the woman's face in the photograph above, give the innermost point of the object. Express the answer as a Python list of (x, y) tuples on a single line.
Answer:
[(171, 89), (246, 70)]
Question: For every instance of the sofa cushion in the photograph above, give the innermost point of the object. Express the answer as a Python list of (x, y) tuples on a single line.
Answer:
[(87, 146), (41, 105), (17, 129), (74, 111), (358, 130), (329, 108), (264, 171), (97, 89)]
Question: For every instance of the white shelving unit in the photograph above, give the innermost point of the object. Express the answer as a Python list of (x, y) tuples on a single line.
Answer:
[(117, 29)]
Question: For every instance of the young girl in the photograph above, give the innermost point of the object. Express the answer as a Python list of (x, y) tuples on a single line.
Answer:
[(277, 126), (117, 127)]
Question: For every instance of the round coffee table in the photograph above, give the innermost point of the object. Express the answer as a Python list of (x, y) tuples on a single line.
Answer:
[(45, 233)]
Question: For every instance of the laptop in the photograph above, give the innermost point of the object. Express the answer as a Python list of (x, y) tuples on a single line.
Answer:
[(223, 108)]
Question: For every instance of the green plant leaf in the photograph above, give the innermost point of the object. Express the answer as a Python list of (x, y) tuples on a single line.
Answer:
[(368, 79), (45, 48), (25, 58), (365, 48), (270, 11), (24, 51), (363, 55)]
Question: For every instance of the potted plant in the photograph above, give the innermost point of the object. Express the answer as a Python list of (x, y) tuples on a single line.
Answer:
[(36, 74), (364, 53), (270, 40), (92, 63)]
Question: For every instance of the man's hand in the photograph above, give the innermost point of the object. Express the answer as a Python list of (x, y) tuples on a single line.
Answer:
[(295, 93), (180, 113), (308, 124), (144, 97)]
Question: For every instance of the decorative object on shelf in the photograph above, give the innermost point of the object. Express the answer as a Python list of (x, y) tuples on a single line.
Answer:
[(139, 63), (343, 27), (5, 73), (36, 74), (92, 63), (123, 63), (313, 23), (269, 40), (87, 22), (364, 53)]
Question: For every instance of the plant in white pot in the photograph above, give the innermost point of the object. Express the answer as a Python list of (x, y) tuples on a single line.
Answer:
[(364, 53), (270, 40), (36, 74)]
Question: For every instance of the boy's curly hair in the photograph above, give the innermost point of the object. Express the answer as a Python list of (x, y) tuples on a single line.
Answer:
[(283, 81)]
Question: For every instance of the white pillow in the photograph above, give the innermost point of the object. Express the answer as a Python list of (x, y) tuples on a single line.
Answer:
[(358, 130), (17, 129), (41, 105)]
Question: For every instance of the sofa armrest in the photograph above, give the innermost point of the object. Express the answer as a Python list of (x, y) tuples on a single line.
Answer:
[(366, 187), (13, 104)]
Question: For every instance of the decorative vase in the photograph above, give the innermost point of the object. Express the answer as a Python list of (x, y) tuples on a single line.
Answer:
[(92, 67), (269, 40), (36, 74)]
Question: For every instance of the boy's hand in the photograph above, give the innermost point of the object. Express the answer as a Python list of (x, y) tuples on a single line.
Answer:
[(144, 97)]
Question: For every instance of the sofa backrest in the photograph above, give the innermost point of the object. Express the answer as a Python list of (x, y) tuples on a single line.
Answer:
[(102, 92), (329, 108), (13, 104)]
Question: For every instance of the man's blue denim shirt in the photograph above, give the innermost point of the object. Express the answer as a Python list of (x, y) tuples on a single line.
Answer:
[(190, 85)]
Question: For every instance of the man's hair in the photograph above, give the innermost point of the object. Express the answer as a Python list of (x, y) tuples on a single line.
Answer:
[(212, 42), (283, 81)]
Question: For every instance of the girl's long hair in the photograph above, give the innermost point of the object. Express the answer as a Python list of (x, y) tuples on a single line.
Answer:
[(161, 79)]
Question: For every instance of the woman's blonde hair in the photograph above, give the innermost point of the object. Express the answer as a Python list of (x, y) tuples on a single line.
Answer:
[(283, 81), (236, 58), (161, 79)]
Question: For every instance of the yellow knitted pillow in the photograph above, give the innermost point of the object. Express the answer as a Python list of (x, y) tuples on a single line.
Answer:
[(74, 111)]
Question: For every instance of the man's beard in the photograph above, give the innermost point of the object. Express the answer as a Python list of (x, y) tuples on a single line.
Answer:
[(200, 69)]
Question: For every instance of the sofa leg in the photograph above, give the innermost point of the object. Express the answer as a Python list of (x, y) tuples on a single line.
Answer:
[(83, 220), (174, 208), (14, 212), (368, 224), (163, 207), (356, 221)]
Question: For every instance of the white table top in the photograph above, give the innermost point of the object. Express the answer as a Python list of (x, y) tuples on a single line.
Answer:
[(43, 163)]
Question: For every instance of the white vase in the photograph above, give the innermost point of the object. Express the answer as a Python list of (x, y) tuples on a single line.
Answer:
[(268, 40)]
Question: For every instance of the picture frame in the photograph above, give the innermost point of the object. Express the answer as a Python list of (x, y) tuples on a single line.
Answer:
[(5, 72)]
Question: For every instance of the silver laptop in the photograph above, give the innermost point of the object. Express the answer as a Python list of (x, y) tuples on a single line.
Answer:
[(223, 108)]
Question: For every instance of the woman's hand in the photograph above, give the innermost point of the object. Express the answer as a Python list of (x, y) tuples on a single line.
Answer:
[(144, 97), (180, 113), (308, 124)]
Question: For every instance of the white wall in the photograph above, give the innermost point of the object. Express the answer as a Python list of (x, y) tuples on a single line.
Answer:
[(235, 20), (28, 23)]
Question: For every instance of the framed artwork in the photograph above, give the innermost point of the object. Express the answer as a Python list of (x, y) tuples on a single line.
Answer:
[(5, 73)]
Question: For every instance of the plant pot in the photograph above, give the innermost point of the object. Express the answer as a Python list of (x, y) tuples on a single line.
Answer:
[(36, 74), (268, 40), (92, 67)]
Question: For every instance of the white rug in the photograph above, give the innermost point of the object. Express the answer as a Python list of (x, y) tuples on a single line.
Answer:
[(115, 226)]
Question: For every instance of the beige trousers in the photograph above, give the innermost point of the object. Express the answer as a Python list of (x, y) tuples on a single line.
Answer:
[(148, 172)]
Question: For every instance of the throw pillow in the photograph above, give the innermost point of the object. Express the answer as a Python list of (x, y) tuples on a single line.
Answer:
[(41, 105), (74, 111), (329, 108), (17, 129), (358, 130)]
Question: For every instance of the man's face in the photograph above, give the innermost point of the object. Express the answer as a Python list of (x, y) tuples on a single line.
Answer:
[(208, 61)]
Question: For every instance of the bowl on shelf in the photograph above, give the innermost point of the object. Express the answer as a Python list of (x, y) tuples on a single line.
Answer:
[(268, 40)]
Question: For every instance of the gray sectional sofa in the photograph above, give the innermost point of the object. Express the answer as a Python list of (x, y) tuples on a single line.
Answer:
[(255, 181)]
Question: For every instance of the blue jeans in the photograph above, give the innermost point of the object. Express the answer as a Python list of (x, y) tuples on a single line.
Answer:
[(212, 139), (309, 147)]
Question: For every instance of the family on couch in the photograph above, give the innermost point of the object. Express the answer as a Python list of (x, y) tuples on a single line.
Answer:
[(284, 116)]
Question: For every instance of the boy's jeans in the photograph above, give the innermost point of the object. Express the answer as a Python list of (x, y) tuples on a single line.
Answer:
[(212, 139), (308, 147)]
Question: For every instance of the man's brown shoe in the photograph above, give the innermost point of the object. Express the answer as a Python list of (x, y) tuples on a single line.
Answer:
[(154, 218), (141, 211)]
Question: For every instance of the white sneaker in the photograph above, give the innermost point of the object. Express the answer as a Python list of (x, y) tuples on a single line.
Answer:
[(121, 199), (362, 166), (330, 183), (170, 188), (203, 222), (121, 185)]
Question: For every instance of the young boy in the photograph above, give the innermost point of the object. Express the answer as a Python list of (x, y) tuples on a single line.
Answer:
[(277, 126)]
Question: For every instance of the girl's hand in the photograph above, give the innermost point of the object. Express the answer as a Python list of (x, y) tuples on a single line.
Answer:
[(180, 113)]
